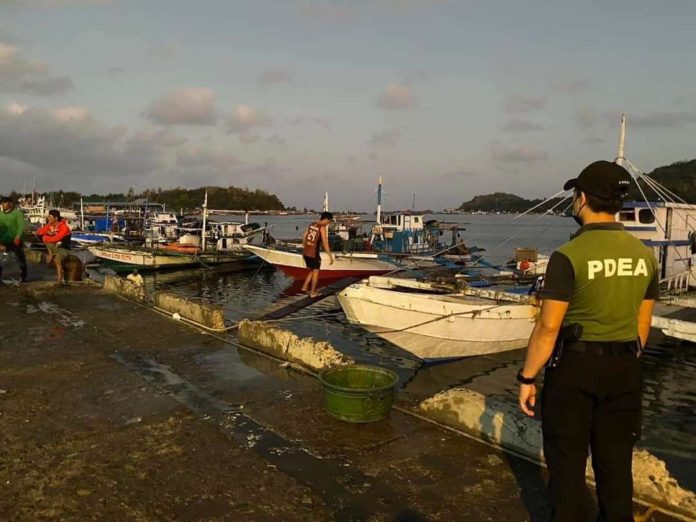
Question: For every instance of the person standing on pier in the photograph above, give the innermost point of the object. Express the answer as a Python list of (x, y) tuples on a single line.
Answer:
[(11, 231), (598, 298), (56, 236), (316, 236)]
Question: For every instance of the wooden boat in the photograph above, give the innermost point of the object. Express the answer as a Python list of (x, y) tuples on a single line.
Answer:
[(345, 265), (440, 326), (125, 258)]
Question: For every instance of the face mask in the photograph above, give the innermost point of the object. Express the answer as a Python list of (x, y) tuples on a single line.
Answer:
[(576, 217)]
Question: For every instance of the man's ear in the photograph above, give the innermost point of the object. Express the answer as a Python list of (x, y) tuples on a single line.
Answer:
[(583, 198)]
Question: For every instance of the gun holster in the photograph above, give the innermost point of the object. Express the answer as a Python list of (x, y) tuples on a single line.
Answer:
[(571, 332)]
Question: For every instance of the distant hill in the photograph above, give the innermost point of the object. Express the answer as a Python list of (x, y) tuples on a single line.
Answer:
[(679, 178), (503, 202)]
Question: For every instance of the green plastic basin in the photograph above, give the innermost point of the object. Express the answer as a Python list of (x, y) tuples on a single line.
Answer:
[(358, 393)]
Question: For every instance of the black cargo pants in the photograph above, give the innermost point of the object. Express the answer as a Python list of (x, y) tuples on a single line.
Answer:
[(592, 401), (21, 258)]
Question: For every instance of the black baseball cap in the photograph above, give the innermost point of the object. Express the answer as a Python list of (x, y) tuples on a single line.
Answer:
[(602, 179), (6, 199)]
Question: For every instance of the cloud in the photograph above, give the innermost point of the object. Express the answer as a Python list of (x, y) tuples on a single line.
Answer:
[(53, 3), (573, 87), (15, 108), (397, 97), (511, 154), (327, 12), (69, 114), (48, 86), (385, 138), (592, 140), (459, 174), (201, 157), (244, 118), (273, 76), (321, 121), (116, 71), (184, 106), (164, 50), (275, 139), (587, 119), (70, 145), (520, 125), (661, 120), (524, 104), (18, 74)]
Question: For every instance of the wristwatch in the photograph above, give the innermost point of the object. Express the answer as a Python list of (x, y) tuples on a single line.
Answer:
[(524, 380)]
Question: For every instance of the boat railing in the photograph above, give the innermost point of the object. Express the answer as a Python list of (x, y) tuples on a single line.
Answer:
[(677, 283)]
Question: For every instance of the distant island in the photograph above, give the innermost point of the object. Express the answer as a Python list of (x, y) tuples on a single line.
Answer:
[(679, 178), (219, 198)]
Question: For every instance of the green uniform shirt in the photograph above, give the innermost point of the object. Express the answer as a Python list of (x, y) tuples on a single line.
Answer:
[(604, 273), (11, 225)]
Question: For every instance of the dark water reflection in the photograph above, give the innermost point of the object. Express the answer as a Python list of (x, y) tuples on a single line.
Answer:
[(669, 368)]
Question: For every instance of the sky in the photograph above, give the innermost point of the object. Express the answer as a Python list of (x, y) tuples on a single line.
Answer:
[(444, 99)]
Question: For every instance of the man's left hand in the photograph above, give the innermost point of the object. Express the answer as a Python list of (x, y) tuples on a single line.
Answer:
[(18, 241), (527, 398)]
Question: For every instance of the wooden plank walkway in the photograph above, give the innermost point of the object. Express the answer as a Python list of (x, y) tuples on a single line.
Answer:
[(304, 302)]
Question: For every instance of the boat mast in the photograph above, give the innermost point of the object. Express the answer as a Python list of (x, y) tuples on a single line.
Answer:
[(379, 201), (325, 206), (205, 219), (620, 158), (82, 216)]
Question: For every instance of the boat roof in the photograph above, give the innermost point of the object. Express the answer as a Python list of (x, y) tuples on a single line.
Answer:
[(658, 204)]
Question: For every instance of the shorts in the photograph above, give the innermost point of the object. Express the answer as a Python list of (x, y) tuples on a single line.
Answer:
[(313, 263), (56, 251)]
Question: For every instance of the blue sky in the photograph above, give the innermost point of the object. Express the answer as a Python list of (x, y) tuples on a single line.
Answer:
[(443, 98)]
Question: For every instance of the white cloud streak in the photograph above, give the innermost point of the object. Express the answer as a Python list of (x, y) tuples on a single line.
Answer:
[(503, 153), (397, 97), (184, 106), (18, 74)]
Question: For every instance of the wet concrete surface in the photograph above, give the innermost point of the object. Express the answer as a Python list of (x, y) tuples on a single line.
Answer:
[(112, 411)]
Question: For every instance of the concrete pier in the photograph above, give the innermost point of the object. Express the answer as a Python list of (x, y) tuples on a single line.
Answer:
[(129, 414), (118, 412)]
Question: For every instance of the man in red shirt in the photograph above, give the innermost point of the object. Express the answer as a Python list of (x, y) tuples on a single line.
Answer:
[(56, 236)]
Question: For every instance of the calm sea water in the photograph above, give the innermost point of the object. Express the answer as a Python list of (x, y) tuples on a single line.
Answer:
[(669, 368)]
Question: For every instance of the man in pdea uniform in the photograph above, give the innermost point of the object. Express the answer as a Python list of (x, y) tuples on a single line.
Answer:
[(598, 298)]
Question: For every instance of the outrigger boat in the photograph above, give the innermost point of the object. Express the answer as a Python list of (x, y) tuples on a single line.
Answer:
[(123, 258), (216, 242), (355, 264), (435, 325), (400, 240), (422, 319)]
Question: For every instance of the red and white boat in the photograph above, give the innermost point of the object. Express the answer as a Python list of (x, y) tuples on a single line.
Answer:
[(345, 265)]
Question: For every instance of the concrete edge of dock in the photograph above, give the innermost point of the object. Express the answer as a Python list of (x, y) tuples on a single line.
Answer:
[(503, 425), (310, 353)]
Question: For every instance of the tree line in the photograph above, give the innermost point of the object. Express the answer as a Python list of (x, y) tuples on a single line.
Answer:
[(221, 198)]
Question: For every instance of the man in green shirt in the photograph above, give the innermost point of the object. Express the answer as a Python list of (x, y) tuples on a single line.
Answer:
[(598, 298), (11, 231)]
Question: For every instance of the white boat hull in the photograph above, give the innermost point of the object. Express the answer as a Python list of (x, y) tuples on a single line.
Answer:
[(345, 265), (439, 326), (139, 258)]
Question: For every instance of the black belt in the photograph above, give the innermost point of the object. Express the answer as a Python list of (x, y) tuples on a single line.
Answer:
[(601, 347)]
